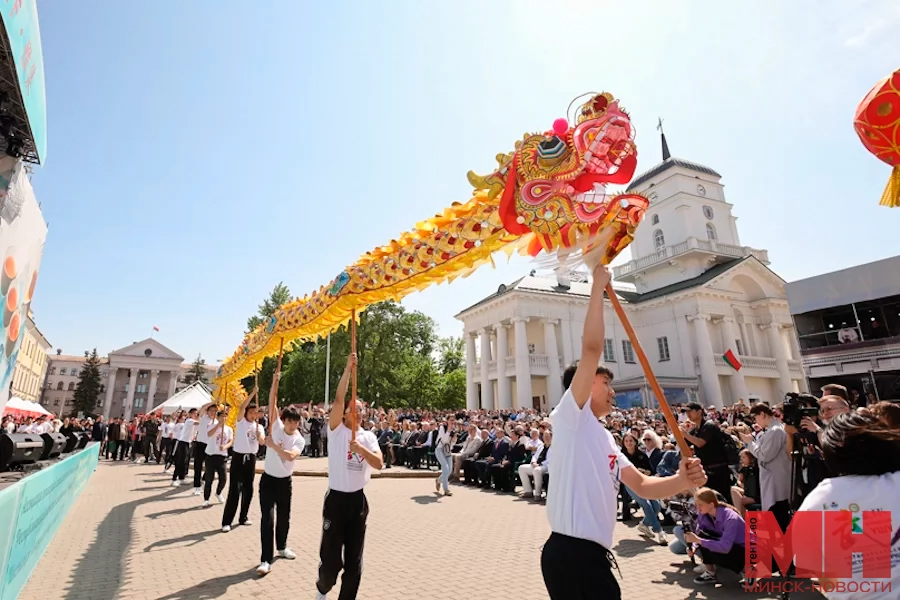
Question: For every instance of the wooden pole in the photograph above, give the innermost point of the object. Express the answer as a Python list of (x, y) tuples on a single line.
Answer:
[(353, 374), (648, 373)]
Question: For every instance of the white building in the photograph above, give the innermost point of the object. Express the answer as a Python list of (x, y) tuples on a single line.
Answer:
[(695, 293)]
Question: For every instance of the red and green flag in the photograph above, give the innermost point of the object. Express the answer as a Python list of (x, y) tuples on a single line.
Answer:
[(732, 360)]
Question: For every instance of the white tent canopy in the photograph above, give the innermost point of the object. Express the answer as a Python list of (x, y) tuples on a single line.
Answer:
[(193, 396), (17, 405)]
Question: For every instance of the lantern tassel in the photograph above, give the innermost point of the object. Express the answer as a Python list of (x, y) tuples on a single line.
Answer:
[(891, 195)]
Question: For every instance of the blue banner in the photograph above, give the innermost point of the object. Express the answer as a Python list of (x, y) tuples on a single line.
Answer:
[(20, 19), (36, 507)]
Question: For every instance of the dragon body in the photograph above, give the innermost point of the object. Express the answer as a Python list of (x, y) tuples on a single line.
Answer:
[(548, 194)]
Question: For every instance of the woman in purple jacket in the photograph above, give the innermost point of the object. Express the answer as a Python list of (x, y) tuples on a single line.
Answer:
[(719, 537)]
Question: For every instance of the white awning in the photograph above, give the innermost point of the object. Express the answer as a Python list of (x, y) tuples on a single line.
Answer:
[(193, 396), (857, 284)]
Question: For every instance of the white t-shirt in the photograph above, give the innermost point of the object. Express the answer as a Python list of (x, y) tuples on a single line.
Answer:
[(168, 429), (857, 493), (348, 471), (187, 431), (177, 428), (275, 466), (219, 438), (204, 426), (245, 440), (585, 476)]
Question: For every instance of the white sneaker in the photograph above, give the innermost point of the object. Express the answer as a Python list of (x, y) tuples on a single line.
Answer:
[(644, 530), (321, 596), (206, 504), (287, 553), (661, 538), (701, 568), (247, 522), (220, 498), (226, 528), (198, 491), (263, 569), (174, 483)]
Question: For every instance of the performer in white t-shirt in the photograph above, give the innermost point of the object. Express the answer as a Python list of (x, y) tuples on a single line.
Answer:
[(248, 435), (350, 464), (219, 439), (185, 436), (587, 469), (206, 423), (283, 445)]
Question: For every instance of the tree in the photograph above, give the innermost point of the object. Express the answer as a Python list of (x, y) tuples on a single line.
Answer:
[(451, 355), (280, 295), (197, 372), (87, 390)]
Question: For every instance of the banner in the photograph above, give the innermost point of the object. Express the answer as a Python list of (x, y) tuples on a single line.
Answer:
[(22, 235), (33, 509), (20, 19)]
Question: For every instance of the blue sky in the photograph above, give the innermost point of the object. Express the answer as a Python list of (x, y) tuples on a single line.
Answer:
[(200, 152)]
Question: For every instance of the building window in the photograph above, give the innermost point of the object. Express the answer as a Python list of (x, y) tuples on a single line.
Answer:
[(53, 370), (141, 388), (711, 231), (74, 371), (138, 402), (142, 375), (56, 402), (627, 351), (530, 348), (662, 344), (659, 240), (71, 386), (59, 385), (654, 220), (740, 347), (609, 350), (708, 212)]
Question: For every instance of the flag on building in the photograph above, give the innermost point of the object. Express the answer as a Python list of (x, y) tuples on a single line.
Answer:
[(732, 360), (155, 328)]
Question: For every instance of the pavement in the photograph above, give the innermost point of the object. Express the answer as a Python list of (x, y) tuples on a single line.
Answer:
[(132, 536)]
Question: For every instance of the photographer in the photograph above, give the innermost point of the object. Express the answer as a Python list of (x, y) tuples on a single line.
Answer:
[(805, 428), (770, 451), (862, 449)]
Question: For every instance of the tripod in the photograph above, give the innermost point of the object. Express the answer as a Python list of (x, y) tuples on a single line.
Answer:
[(796, 466)]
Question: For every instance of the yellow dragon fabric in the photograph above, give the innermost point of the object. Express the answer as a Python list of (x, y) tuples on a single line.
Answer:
[(548, 195)]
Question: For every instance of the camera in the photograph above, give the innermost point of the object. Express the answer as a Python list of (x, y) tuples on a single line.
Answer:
[(797, 406)]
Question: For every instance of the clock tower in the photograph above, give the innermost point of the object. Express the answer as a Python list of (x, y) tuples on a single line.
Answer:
[(688, 228)]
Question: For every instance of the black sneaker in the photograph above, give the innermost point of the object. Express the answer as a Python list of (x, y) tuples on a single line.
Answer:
[(705, 577)]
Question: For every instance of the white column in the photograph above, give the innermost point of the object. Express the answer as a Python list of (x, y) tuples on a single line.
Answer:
[(487, 388), (471, 384), (709, 380), (776, 346), (173, 380), (738, 385), (554, 380), (151, 395), (129, 401), (568, 353), (523, 364), (110, 387), (504, 389)]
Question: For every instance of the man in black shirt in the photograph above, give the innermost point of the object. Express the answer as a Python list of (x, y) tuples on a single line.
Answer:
[(709, 446), (151, 432)]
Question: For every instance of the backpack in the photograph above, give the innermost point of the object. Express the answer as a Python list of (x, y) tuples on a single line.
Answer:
[(732, 455)]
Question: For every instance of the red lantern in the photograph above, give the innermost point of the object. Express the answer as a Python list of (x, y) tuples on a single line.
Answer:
[(877, 123)]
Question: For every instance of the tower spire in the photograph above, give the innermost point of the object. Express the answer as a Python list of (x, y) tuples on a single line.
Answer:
[(666, 155)]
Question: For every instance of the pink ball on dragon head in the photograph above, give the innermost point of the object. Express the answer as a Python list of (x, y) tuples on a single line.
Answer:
[(560, 126)]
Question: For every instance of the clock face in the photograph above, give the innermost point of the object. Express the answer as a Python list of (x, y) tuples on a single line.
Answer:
[(701, 190)]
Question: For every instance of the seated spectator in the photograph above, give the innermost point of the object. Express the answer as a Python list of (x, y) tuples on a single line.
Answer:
[(503, 474), (650, 525), (470, 465), (746, 492), (653, 446), (718, 537), (470, 448), (535, 444), (499, 449), (668, 464), (536, 469)]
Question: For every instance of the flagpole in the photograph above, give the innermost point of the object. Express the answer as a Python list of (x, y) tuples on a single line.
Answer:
[(327, 370)]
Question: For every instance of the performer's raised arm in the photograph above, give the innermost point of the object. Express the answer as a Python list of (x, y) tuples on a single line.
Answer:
[(337, 408), (592, 340)]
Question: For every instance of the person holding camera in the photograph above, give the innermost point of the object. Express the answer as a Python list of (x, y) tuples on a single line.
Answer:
[(770, 450)]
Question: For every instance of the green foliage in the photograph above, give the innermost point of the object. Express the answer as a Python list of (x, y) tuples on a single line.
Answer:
[(87, 390), (280, 295), (397, 365), (197, 372)]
